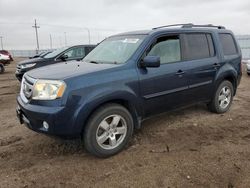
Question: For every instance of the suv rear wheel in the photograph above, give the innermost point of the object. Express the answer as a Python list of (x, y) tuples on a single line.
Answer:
[(223, 98), (108, 130)]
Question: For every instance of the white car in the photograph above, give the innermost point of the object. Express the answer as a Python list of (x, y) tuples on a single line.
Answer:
[(248, 67)]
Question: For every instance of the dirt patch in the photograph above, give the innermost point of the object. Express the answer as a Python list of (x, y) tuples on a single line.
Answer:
[(10, 140), (186, 148)]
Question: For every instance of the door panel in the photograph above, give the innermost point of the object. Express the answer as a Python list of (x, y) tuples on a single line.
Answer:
[(163, 88), (201, 79)]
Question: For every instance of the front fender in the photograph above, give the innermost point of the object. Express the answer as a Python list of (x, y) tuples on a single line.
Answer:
[(92, 101)]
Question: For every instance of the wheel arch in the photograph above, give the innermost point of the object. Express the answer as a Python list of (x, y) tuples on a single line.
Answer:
[(128, 102), (230, 75), (125, 103)]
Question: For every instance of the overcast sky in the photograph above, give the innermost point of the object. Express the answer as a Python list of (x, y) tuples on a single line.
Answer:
[(60, 18)]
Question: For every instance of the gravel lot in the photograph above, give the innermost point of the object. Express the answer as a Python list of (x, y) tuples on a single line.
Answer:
[(185, 148)]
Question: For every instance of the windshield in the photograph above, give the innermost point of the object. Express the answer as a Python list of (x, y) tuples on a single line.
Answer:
[(115, 50), (55, 53)]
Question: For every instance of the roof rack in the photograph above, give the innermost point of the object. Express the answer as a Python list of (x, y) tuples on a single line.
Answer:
[(190, 25)]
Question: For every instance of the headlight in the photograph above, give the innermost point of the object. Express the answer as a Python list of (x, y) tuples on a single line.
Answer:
[(25, 66), (48, 89)]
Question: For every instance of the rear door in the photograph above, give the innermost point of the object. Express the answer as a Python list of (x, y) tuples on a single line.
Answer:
[(201, 58)]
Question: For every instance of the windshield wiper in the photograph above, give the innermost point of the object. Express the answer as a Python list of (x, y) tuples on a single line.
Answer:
[(96, 62)]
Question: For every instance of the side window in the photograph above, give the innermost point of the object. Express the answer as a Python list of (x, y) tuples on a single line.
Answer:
[(197, 46), (167, 48), (228, 44), (69, 53), (88, 49), (75, 53)]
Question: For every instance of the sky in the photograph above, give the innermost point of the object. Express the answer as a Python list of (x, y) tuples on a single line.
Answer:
[(68, 21)]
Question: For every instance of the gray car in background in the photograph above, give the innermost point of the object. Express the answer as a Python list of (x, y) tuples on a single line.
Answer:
[(248, 67)]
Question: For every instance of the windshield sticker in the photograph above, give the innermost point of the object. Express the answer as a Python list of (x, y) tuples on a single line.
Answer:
[(131, 40)]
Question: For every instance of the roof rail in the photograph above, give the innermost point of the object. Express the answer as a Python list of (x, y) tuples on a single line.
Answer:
[(190, 25)]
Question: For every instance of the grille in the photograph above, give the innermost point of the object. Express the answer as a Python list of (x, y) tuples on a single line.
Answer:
[(27, 87), (18, 68)]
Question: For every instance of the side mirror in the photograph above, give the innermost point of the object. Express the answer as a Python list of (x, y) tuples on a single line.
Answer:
[(64, 57), (151, 61)]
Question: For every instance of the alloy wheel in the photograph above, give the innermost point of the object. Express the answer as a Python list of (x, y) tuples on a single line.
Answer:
[(111, 132), (224, 97)]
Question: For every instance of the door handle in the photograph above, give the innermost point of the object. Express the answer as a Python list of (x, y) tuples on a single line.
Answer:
[(180, 72), (216, 65)]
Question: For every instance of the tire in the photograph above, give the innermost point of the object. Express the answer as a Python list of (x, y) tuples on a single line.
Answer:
[(2, 69), (223, 98), (248, 73), (99, 127)]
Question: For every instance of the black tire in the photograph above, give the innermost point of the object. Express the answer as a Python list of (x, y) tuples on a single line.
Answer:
[(214, 105), (2, 69), (248, 73), (90, 132)]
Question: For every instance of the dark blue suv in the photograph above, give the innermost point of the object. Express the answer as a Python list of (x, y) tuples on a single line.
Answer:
[(128, 78)]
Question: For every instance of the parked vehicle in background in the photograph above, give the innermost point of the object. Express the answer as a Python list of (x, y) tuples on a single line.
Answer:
[(128, 78), (5, 52), (60, 55), (248, 67), (41, 54), (5, 59)]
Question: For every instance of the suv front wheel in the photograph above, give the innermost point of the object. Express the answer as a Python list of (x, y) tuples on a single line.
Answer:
[(108, 130), (223, 98)]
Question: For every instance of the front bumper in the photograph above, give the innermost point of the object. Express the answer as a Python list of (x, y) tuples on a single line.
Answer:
[(5, 62), (59, 119), (248, 68)]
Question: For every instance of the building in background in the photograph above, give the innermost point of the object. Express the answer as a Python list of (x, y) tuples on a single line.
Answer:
[(244, 42)]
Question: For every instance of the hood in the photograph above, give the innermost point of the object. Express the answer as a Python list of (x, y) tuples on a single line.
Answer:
[(61, 71), (35, 60)]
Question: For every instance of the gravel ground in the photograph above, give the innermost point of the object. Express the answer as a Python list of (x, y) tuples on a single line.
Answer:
[(186, 148)]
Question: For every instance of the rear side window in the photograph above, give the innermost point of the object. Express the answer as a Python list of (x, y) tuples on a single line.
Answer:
[(228, 44), (199, 46)]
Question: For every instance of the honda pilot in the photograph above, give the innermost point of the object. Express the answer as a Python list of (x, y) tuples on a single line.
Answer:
[(130, 77)]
